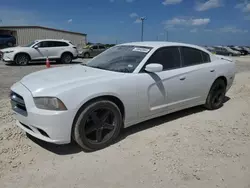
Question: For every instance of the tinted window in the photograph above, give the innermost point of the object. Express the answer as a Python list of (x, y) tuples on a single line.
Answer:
[(101, 47), (205, 57), (43, 44), (58, 44), (168, 57), (191, 56), (95, 47), (5, 36)]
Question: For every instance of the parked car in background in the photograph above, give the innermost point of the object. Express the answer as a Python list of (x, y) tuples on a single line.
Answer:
[(60, 50), (242, 49), (243, 52), (247, 49), (7, 40), (92, 50), (210, 49), (231, 51), (126, 84), (221, 51)]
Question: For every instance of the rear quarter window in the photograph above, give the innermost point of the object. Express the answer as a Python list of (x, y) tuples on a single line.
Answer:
[(193, 56), (205, 57)]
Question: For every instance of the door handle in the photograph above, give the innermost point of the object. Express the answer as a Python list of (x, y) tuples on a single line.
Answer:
[(182, 78), (212, 70)]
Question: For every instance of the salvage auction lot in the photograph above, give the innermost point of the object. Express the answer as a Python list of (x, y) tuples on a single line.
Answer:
[(191, 148)]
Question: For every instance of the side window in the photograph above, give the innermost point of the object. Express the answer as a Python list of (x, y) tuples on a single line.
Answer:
[(95, 47), (43, 44), (205, 57), (5, 36), (101, 47), (60, 44), (51, 43), (191, 56), (168, 57)]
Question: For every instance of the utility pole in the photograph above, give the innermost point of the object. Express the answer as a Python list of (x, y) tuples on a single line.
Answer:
[(166, 35), (142, 27)]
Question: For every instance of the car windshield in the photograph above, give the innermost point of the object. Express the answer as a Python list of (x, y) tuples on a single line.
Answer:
[(29, 45), (122, 58)]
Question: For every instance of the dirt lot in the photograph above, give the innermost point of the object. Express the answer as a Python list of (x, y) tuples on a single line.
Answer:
[(192, 148)]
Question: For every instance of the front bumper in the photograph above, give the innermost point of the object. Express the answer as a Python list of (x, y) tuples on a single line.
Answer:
[(8, 57), (50, 126)]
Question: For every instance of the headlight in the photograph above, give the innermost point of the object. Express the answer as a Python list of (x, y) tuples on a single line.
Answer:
[(49, 103), (8, 52)]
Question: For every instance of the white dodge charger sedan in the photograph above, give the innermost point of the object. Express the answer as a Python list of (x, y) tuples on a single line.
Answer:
[(127, 84)]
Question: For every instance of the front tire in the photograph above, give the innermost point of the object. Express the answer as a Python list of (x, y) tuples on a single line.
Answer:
[(86, 55), (216, 95), (66, 58), (22, 59), (97, 125)]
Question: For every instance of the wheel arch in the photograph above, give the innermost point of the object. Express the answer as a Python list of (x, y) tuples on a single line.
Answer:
[(222, 78), (86, 53), (67, 52), (111, 98), (18, 53), (218, 78)]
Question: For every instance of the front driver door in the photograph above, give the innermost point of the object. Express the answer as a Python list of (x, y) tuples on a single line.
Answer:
[(41, 52), (161, 90)]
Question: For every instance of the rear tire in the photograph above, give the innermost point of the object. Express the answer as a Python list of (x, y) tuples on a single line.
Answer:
[(22, 59), (101, 117), (216, 95), (66, 58)]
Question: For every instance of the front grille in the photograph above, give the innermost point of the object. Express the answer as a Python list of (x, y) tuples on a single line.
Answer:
[(18, 104)]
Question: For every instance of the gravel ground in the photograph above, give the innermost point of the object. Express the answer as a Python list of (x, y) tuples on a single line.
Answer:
[(192, 148)]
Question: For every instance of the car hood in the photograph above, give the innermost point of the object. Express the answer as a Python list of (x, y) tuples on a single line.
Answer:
[(17, 48), (55, 79)]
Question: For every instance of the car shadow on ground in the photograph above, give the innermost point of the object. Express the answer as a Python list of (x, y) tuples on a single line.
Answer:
[(160, 120), (66, 149), (73, 148)]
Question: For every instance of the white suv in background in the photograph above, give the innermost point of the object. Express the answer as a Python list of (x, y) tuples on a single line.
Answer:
[(60, 50)]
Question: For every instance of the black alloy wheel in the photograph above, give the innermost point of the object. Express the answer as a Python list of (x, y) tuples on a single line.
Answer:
[(216, 95), (98, 125)]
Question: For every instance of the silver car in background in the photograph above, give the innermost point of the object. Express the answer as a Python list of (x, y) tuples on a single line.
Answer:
[(92, 50)]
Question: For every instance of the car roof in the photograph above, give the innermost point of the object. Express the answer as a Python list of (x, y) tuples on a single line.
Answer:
[(157, 44), (61, 40)]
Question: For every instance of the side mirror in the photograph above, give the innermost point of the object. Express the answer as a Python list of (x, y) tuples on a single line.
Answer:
[(154, 67), (36, 47)]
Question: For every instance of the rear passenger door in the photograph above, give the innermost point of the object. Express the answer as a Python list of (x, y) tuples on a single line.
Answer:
[(198, 74), (56, 48), (94, 51)]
